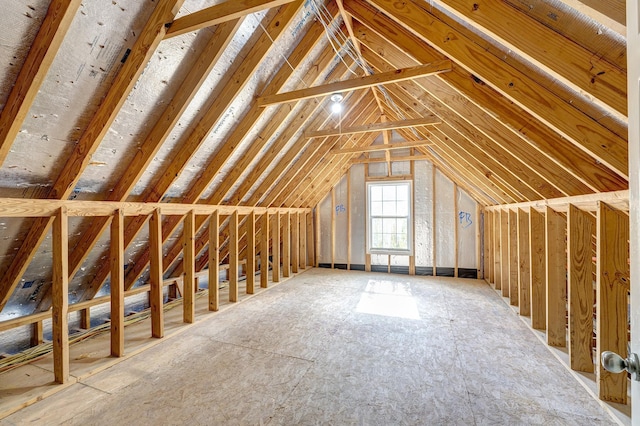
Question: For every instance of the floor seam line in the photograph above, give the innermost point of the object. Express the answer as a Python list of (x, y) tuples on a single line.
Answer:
[(261, 350)]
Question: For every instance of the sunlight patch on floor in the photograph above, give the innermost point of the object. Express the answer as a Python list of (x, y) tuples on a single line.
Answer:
[(389, 299)]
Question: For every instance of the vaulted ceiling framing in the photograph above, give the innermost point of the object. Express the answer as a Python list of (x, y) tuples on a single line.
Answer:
[(226, 102)]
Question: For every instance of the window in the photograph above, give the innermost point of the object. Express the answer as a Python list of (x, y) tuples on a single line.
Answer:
[(389, 218)]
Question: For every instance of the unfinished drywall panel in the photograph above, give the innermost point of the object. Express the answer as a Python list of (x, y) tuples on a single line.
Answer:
[(423, 214), (445, 222), (358, 215), (466, 224), (325, 230), (341, 221)]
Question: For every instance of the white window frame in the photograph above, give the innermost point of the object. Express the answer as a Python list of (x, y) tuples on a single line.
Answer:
[(390, 251)]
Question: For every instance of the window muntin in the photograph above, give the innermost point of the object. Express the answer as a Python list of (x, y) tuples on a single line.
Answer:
[(389, 217)]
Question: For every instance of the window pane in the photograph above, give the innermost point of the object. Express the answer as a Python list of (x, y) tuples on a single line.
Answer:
[(376, 225), (387, 243), (403, 192), (389, 214), (402, 208), (394, 241), (401, 226), (376, 208), (389, 192), (389, 226), (402, 241), (376, 241), (376, 193), (388, 208)]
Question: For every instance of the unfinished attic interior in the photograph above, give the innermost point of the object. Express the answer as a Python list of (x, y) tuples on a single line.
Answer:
[(163, 160)]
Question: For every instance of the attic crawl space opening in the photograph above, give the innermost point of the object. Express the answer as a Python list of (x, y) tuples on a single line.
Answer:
[(185, 140)]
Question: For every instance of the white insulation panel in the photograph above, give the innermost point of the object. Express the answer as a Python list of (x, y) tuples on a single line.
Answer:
[(341, 221), (423, 213), (358, 214), (445, 222), (466, 231), (325, 230)]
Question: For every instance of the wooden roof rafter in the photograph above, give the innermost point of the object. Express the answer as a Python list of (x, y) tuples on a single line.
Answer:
[(427, 120), (383, 147), (604, 145), (532, 132), (357, 83), (219, 13), (470, 169), (461, 135)]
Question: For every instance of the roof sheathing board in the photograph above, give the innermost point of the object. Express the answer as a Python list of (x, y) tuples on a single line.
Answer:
[(80, 75), (24, 20), (230, 60), (296, 138), (292, 83), (272, 62), (156, 87)]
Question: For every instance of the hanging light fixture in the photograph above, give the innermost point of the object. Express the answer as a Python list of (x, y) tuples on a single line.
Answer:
[(336, 106)]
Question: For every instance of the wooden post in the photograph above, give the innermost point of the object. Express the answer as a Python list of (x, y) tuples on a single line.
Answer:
[(456, 221), (60, 296), (497, 255), (251, 252), (310, 240), (538, 254), (295, 242), (333, 226), (349, 219), (317, 235), (513, 258), (611, 295), (214, 261), (504, 252), (433, 221), (37, 333), (286, 245), (488, 246), (556, 278), (117, 284), (412, 258), (524, 264), (579, 231), (188, 295), (480, 271), (367, 255), (233, 257), (275, 247), (155, 278), (264, 252), (85, 318), (303, 240)]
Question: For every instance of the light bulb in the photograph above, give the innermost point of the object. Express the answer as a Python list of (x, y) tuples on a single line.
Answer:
[(336, 108)]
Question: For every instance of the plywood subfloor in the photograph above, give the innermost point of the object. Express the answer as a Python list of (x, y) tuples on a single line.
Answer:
[(337, 347)]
